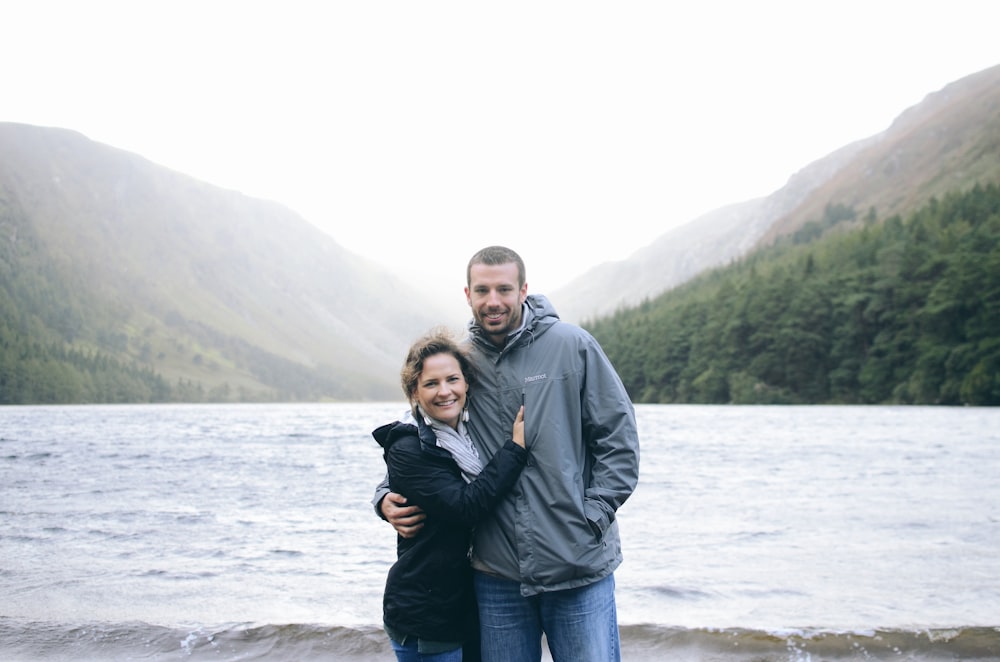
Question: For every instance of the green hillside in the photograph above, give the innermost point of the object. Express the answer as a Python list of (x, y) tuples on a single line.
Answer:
[(846, 310), (123, 281)]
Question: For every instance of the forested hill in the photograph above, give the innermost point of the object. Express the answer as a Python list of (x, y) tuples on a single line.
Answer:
[(895, 310), (123, 281), (947, 142)]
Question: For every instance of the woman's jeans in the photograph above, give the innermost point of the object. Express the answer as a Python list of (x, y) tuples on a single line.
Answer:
[(408, 653), (580, 624)]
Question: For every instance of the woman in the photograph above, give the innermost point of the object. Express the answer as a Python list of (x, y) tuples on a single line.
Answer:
[(429, 609)]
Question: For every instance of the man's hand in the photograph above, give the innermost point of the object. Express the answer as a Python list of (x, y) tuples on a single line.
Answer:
[(407, 520)]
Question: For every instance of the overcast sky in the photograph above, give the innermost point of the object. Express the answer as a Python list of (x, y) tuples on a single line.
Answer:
[(417, 132)]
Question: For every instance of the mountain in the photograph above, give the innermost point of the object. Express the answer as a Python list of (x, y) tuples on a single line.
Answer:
[(898, 310), (106, 252), (123, 280), (948, 142)]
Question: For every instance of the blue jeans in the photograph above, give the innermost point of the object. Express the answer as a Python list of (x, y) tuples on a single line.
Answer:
[(408, 653), (580, 624)]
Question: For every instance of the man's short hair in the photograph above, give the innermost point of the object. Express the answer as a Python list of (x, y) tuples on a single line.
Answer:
[(493, 256)]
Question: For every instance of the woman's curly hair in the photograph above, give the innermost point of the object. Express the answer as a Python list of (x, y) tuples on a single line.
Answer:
[(438, 340)]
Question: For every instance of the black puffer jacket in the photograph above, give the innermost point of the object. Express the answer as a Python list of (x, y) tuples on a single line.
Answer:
[(428, 592)]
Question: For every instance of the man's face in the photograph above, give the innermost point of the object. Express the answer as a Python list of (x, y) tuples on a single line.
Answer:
[(495, 298)]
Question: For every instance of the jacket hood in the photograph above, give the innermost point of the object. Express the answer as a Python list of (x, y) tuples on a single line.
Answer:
[(537, 316), (386, 435)]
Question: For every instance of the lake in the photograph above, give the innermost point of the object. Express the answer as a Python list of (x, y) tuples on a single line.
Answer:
[(225, 532)]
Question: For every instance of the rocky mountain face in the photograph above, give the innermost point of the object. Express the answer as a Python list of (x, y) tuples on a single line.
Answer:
[(949, 141)]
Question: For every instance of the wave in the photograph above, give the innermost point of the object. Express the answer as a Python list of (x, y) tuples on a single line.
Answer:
[(655, 642), (56, 642)]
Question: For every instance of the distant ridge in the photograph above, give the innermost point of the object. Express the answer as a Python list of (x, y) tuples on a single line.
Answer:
[(199, 283), (949, 141)]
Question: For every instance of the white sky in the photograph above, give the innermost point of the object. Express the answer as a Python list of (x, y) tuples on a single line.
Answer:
[(417, 132)]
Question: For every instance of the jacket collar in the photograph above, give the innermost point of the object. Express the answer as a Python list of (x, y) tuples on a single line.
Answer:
[(537, 315), (388, 434)]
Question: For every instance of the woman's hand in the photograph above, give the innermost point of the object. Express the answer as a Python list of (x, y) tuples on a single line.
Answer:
[(518, 433)]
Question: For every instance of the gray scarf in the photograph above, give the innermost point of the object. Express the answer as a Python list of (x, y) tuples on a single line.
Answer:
[(458, 443)]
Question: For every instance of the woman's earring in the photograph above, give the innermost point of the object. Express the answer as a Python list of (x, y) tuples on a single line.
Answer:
[(465, 414)]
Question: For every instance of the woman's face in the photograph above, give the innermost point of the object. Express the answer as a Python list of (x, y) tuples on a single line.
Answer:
[(441, 389)]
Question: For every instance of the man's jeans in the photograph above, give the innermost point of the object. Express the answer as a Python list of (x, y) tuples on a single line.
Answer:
[(580, 624)]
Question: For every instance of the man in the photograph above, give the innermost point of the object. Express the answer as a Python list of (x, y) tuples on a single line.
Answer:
[(545, 561)]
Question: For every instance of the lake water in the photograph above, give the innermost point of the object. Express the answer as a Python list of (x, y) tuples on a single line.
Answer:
[(242, 532)]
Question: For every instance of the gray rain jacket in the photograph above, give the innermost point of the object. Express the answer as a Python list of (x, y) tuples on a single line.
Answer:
[(556, 529)]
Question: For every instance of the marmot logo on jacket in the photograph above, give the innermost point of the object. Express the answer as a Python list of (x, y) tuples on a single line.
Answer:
[(528, 380)]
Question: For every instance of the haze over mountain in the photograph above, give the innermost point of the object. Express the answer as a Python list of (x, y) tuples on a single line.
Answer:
[(948, 141), (102, 250)]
